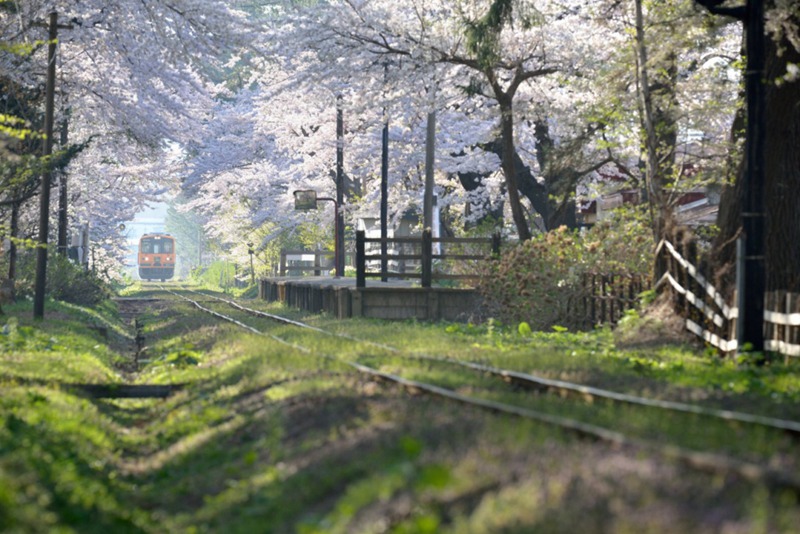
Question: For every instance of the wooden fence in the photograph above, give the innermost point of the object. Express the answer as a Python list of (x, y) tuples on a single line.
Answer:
[(606, 297), (317, 267), (709, 316), (418, 263)]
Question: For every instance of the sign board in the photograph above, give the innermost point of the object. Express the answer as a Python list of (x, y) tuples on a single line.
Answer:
[(305, 200)]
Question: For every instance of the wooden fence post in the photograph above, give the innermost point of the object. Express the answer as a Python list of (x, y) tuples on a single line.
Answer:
[(691, 285), (585, 291), (361, 267), (669, 262), (773, 303), (496, 244), (612, 298), (427, 257), (632, 291), (603, 284), (689, 253), (661, 261), (787, 332)]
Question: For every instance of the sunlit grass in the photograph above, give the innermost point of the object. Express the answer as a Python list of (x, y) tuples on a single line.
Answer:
[(265, 437)]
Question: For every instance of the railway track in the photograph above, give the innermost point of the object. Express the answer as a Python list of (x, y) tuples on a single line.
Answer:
[(706, 461), (542, 383)]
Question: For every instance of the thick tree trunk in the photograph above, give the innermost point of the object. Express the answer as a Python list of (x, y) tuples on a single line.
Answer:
[(509, 168), (782, 170), (560, 181), (782, 183)]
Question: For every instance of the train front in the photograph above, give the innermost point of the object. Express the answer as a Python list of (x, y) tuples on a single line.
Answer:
[(156, 257)]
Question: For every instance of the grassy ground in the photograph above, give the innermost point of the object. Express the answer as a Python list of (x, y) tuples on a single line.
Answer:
[(265, 438)]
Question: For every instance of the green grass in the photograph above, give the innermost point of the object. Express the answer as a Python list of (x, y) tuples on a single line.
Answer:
[(266, 438)]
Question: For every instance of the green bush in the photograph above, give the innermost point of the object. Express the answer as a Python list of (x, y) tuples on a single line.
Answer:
[(65, 281), (541, 281), (69, 282)]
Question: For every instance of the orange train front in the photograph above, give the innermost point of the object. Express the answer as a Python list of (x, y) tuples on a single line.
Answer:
[(156, 257)]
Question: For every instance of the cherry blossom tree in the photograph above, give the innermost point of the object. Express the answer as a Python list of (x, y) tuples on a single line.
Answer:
[(134, 78), (574, 104), (496, 50)]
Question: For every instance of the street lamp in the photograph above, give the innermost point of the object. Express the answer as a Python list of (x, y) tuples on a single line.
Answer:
[(307, 200)]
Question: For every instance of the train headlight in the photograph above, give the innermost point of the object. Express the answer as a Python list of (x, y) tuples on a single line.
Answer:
[(146, 258)]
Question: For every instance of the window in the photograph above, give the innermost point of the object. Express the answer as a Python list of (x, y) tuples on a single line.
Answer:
[(157, 246)]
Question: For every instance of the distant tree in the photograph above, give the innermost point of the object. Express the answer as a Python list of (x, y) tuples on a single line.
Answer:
[(134, 77)]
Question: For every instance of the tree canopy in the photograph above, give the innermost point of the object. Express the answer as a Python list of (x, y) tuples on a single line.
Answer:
[(540, 105)]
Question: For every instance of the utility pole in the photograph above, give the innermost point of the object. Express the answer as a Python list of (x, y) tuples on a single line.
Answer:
[(62, 196), (44, 197), (384, 198), (384, 189), (430, 146), (750, 251), (752, 289), (339, 237), (251, 251)]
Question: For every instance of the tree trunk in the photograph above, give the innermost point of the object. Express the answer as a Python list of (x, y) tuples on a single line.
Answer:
[(782, 170), (13, 234), (782, 183), (657, 102), (560, 181), (509, 168)]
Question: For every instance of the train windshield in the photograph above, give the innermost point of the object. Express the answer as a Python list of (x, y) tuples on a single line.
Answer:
[(156, 246)]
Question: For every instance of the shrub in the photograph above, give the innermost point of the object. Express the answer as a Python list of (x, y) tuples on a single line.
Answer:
[(541, 281), (71, 283), (65, 281)]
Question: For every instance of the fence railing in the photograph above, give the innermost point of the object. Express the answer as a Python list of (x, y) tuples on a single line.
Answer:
[(317, 266), (709, 316), (418, 263)]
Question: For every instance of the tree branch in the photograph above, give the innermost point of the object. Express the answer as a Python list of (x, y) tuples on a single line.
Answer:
[(715, 7)]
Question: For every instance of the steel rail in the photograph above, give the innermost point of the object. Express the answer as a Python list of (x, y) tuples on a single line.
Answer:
[(708, 462), (785, 425)]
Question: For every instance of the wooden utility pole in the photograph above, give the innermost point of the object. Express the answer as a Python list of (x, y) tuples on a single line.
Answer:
[(384, 196), (430, 146), (752, 289), (62, 197), (339, 237), (44, 197), (751, 269)]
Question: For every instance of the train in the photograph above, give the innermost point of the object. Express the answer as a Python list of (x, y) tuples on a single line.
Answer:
[(156, 257)]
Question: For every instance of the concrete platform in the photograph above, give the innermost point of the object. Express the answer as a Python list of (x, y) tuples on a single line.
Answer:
[(394, 299)]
